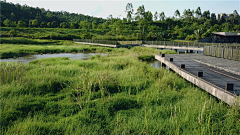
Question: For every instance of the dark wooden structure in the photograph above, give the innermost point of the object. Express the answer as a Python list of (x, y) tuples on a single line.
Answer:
[(225, 37)]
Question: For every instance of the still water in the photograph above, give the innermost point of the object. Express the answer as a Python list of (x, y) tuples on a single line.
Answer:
[(71, 56)]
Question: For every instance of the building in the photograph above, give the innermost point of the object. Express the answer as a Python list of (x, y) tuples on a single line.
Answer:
[(225, 37), (219, 16)]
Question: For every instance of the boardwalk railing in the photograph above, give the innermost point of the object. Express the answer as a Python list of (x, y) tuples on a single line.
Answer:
[(165, 43), (192, 44), (109, 42), (227, 52)]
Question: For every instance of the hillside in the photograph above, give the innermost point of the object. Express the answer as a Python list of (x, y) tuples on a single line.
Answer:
[(17, 12)]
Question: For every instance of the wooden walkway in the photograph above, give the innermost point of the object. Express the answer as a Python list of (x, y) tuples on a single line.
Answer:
[(175, 47), (212, 80)]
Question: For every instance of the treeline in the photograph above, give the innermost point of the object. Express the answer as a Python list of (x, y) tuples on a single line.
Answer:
[(140, 24), (25, 16)]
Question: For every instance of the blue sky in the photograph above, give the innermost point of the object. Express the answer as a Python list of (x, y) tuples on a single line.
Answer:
[(100, 8)]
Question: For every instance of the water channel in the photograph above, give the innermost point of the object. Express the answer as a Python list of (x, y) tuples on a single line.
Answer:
[(71, 56)]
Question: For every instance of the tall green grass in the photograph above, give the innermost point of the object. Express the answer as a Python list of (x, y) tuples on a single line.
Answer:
[(112, 94)]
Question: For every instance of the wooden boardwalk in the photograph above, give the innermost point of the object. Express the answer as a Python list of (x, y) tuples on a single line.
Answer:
[(175, 47), (213, 80)]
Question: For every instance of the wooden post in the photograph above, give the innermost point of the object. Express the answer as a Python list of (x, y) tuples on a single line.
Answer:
[(223, 52), (229, 86)]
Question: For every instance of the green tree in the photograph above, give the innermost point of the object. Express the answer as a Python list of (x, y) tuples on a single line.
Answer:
[(129, 10), (223, 19), (13, 16), (140, 15), (49, 25), (21, 24), (35, 23), (124, 20), (119, 26), (43, 24), (198, 33), (198, 13), (148, 16), (84, 25), (177, 13), (64, 25), (206, 14), (144, 24), (7, 23), (94, 24), (207, 24), (74, 25), (213, 18), (162, 16), (11, 33), (188, 15), (54, 24), (30, 23), (156, 16)]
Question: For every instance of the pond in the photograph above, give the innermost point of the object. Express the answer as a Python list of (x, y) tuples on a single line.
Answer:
[(71, 56)]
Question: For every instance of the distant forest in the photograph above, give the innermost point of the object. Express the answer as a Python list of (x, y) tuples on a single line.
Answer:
[(137, 25), (25, 13)]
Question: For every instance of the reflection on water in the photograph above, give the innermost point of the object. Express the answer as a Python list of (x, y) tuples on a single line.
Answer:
[(71, 56), (156, 64)]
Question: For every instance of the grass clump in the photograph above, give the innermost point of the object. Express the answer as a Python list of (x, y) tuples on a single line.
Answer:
[(147, 58)]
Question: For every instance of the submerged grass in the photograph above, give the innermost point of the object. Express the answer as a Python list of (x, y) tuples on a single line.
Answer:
[(112, 94)]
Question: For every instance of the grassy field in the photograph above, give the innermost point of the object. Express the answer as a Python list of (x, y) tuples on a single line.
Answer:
[(113, 94)]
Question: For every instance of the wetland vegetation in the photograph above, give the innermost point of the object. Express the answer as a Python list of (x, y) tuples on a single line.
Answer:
[(119, 93), (112, 94)]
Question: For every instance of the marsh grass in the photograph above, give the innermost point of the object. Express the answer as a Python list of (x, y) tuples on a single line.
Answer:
[(112, 94)]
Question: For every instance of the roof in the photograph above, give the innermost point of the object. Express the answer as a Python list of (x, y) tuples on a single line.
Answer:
[(226, 34)]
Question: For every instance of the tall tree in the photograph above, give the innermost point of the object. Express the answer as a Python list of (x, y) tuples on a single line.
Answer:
[(236, 17), (156, 16), (223, 19), (162, 16), (7, 22), (177, 13), (206, 14), (148, 16), (213, 18), (198, 13), (129, 10), (140, 15)]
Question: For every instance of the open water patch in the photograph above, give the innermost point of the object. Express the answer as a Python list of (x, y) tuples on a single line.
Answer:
[(71, 56)]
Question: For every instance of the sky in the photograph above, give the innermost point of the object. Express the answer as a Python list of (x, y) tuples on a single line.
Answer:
[(101, 8)]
